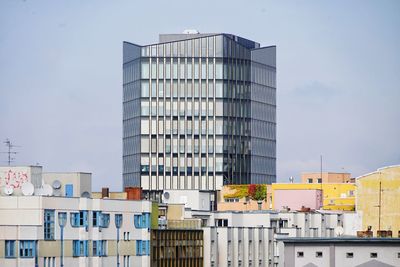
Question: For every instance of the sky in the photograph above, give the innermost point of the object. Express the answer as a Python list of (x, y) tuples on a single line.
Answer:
[(338, 78)]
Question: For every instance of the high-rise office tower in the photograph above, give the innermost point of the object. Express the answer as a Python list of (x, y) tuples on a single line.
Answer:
[(199, 111)]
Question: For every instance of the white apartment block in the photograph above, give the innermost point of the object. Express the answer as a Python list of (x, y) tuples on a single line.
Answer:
[(250, 238), (343, 252), (30, 234)]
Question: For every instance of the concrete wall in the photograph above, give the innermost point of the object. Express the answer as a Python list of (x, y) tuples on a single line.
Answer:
[(335, 254), (368, 199), (82, 182), (195, 199), (295, 199), (16, 176)]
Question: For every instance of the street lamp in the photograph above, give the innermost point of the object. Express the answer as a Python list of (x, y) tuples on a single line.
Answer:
[(118, 224), (62, 221)]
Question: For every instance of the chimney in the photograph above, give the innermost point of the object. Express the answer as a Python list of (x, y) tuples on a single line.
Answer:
[(105, 192)]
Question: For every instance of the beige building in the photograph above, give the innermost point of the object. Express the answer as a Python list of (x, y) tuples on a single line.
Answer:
[(327, 177)]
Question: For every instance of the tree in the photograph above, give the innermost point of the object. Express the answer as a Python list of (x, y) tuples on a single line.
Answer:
[(257, 192)]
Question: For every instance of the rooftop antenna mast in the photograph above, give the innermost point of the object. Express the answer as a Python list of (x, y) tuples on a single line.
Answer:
[(10, 146)]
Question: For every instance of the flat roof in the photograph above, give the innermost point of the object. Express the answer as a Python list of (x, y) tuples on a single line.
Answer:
[(303, 240)]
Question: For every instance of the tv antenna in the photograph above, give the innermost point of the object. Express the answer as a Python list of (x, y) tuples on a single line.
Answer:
[(10, 147)]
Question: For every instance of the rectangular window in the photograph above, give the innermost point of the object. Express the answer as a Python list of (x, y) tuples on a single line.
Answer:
[(374, 255), (349, 255), (27, 248), (142, 247), (96, 218), (48, 224), (100, 248), (79, 219), (10, 249), (310, 180), (319, 180), (318, 254), (80, 248), (104, 220), (300, 254), (142, 220)]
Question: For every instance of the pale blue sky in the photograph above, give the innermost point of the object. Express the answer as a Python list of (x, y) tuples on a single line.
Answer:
[(338, 77)]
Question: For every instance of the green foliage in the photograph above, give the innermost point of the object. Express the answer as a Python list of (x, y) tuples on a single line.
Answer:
[(242, 191), (257, 192)]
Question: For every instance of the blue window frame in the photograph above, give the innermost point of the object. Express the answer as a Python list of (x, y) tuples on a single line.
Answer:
[(105, 220), (96, 218), (142, 220), (10, 249), (48, 224), (142, 247), (27, 248), (100, 248), (80, 248), (118, 220), (79, 219), (69, 190)]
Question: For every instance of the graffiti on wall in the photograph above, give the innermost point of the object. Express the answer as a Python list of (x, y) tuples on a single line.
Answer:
[(13, 178)]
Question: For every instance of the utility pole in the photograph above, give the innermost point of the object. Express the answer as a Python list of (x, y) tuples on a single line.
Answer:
[(380, 205)]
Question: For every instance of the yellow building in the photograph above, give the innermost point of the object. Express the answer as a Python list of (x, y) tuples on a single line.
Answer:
[(368, 194), (336, 196)]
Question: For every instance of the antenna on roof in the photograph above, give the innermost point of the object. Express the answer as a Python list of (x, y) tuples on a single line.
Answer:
[(10, 146)]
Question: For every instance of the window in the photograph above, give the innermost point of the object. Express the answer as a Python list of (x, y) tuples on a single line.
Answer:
[(374, 255), (349, 255), (300, 254), (96, 218), (104, 220), (79, 219), (80, 248), (48, 224), (319, 180), (118, 220), (221, 222), (318, 254), (27, 249), (398, 255), (142, 247), (49, 262), (127, 261), (310, 180), (10, 249), (231, 199), (142, 220), (99, 248)]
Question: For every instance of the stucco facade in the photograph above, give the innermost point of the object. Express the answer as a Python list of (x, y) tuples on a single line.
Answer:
[(336, 196), (387, 217)]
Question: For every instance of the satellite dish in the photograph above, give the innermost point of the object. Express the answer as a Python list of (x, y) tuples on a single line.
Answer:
[(56, 184), (27, 189), (47, 190), (85, 194), (8, 190), (166, 195), (339, 231)]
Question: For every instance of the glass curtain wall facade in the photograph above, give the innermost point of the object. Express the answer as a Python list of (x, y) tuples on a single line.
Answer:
[(199, 112)]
